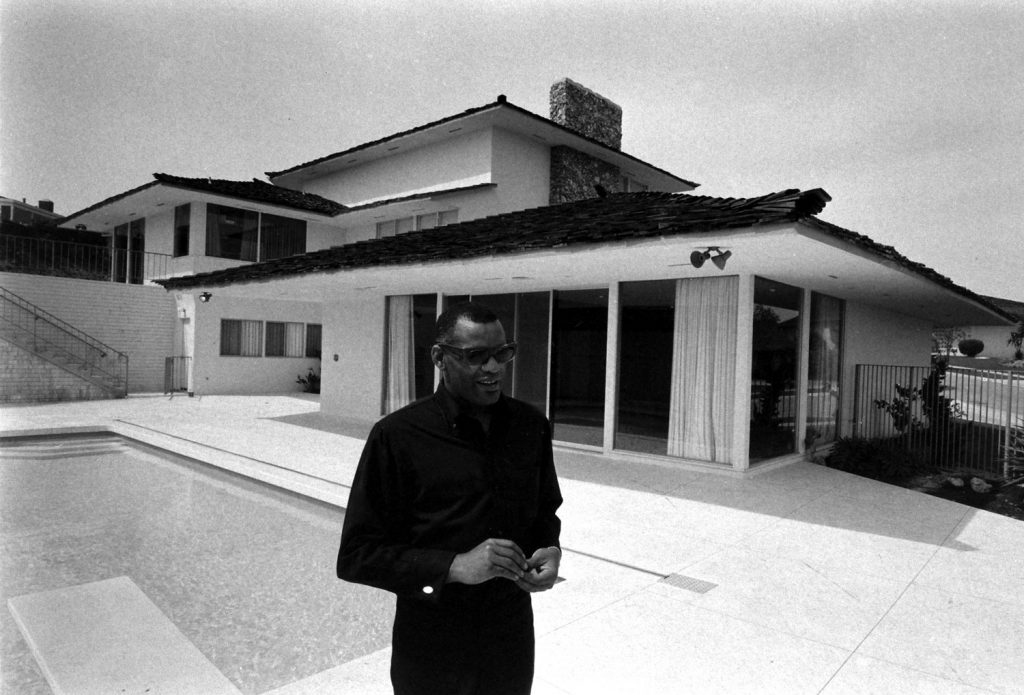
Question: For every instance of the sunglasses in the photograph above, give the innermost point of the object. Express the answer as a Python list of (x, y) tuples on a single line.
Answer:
[(480, 356)]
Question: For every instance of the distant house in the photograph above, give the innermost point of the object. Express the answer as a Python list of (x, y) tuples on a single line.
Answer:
[(25, 213), (997, 338), (711, 332)]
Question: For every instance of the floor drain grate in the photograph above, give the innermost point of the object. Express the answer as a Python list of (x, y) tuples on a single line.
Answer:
[(681, 581)]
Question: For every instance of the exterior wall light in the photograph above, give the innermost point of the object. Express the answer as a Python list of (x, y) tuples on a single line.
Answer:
[(717, 256), (205, 297)]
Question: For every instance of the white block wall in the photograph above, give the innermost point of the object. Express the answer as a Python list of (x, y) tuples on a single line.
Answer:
[(138, 320)]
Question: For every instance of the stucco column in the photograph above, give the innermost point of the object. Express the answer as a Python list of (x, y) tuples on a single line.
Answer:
[(741, 388), (611, 369)]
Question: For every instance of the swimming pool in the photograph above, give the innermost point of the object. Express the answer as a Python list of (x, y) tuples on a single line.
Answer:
[(244, 570)]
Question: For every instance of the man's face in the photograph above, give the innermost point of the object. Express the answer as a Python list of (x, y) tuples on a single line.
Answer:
[(478, 385)]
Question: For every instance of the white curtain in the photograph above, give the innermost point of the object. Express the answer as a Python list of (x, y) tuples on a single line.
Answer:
[(702, 409), (824, 367), (251, 338), (400, 372), (293, 338)]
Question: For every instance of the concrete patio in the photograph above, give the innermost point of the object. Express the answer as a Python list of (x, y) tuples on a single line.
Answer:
[(797, 580)]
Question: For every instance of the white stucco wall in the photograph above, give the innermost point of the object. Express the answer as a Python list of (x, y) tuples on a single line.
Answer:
[(214, 373), (351, 385), (460, 161), (138, 320), (522, 170), (875, 336)]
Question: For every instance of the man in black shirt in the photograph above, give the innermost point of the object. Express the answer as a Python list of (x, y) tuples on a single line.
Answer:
[(453, 508)]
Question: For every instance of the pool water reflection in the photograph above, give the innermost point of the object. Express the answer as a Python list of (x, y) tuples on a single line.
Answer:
[(244, 570)]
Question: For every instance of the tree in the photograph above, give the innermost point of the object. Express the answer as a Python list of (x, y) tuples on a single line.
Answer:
[(945, 339), (1017, 341)]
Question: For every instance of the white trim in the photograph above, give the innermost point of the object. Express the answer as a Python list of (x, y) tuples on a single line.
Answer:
[(611, 367), (741, 388)]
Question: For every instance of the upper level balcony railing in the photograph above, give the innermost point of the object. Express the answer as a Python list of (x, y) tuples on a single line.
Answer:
[(19, 254)]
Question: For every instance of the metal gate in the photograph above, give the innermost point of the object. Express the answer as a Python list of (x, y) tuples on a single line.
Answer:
[(957, 418)]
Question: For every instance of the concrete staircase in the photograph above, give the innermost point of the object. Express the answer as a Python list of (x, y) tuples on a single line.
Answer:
[(49, 339)]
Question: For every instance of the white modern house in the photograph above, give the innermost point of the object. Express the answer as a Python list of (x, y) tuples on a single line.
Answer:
[(712, 332)]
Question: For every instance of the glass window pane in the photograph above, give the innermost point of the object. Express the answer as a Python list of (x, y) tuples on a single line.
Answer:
[(275, 339), (182, 214), (647, 319), (774, 369), (314, 337), (426, 221), (579, 337), (231, 232), (385, 229), (241, 338), (403, 225), (281, 236), (424, 308)]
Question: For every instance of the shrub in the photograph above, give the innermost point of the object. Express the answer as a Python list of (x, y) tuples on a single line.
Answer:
[(971, 347), (310, 382), (881, 459)]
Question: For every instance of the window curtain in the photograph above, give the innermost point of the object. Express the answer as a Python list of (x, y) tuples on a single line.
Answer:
[(702, 412), (824, 365), (293, 346), (252, 338), (400, 371)]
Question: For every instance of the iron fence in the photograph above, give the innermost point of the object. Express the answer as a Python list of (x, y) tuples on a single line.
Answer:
[(956, 418), (36, 256), (176, 374)]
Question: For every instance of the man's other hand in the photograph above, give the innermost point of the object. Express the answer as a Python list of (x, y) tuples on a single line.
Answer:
[(495, 557), (543, 570)]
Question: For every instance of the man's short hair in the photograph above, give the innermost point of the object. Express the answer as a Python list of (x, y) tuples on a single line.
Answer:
[(444, 330)]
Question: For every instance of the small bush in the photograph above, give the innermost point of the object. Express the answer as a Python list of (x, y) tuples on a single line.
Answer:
[(881, 459), (970, 347), (310, 382)]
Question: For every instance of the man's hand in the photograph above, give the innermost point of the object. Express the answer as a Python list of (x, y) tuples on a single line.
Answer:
[(495, 557), (543, 570)]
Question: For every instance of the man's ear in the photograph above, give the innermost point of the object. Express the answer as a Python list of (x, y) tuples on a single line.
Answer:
[(437, 357)]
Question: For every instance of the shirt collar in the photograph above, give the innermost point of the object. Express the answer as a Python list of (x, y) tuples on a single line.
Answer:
[(453, 408)]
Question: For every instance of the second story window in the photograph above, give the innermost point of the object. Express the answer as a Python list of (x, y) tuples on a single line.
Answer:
[(181, 229), (245, 235), (281, 236), (409, 224), (231, 233)]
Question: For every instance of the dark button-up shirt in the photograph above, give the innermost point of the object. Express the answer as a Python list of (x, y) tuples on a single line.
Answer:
[(431, 484)]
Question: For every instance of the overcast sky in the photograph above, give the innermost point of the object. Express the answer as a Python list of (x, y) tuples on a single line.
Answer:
[(910, 114)]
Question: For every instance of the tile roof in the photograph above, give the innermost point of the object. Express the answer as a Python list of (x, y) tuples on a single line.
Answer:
[(500, 103), (1010, 306), (616, 217), (891, 254), (255, 190)]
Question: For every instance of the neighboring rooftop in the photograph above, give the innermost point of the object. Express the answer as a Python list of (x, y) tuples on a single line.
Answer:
[(255, 190)]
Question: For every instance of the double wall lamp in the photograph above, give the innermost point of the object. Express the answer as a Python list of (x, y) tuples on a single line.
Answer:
[(717, 256), (204, 297)]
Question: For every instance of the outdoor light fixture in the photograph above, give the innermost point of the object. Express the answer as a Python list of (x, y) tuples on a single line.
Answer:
[(205, 297), (717, 256)]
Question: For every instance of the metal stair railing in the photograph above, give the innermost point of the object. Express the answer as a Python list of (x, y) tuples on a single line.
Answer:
[(60, 343)]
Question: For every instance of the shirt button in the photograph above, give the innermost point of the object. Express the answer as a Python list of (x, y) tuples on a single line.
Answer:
[(428, 590)]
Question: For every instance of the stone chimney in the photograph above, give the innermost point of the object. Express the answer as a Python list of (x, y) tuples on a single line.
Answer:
[(574, 174), (586, 112), (46, 205)]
